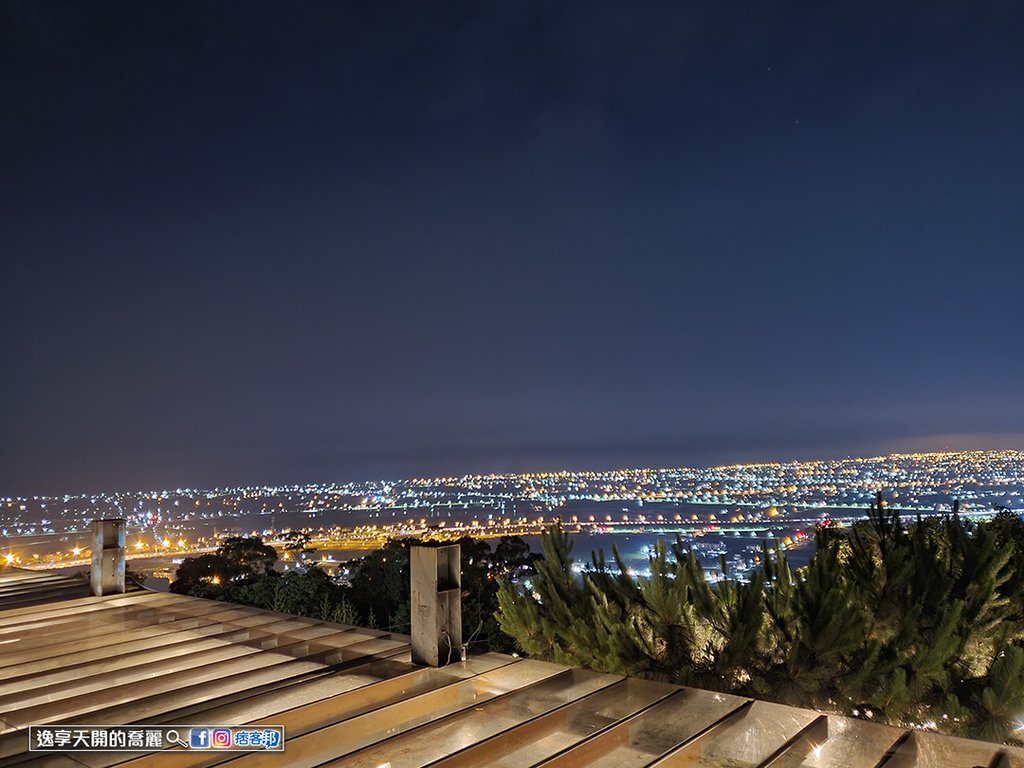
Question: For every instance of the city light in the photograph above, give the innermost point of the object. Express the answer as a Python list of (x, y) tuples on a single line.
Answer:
[(781, 501)]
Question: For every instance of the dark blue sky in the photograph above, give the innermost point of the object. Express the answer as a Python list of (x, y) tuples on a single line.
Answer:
[(253, 242)]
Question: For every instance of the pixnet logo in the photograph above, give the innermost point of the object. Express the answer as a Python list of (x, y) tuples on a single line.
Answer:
[(199, 738), (222, 738)]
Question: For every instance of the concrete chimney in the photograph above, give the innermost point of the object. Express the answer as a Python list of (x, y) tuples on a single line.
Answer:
[(107, 575), (435, 573)]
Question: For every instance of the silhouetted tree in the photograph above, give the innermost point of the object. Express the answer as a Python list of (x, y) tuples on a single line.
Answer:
[(201, 576), (236, 561), (246, 556), (297, 543), (380, 582)]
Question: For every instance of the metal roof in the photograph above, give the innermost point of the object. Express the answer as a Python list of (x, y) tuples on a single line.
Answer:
[(350, 696), (19, 588)]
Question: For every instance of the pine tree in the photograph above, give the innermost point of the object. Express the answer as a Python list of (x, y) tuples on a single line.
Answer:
[(909, 623)]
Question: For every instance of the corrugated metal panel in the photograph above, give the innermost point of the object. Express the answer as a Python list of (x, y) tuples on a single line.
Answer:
[(349, 696)]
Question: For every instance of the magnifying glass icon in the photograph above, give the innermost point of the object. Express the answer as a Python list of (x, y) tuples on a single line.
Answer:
[(173, 737)]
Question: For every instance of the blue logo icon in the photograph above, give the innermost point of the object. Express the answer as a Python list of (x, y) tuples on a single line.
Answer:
[(199, 738)]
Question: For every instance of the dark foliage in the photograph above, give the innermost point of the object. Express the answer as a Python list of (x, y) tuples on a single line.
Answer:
[(377, 595), (917, 624), (236, 561)]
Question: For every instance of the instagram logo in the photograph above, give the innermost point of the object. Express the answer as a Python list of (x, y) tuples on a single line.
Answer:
[(221, 738)]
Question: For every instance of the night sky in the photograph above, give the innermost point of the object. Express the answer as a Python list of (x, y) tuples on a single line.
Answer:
[(254, 243)]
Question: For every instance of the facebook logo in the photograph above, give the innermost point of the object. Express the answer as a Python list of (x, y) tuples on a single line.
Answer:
[(199, 738)]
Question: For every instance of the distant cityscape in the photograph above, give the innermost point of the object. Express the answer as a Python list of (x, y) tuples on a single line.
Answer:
[(723, 511)]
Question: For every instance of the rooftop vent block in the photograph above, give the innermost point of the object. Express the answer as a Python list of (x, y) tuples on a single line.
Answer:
[(107, 574), (435, 574)]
